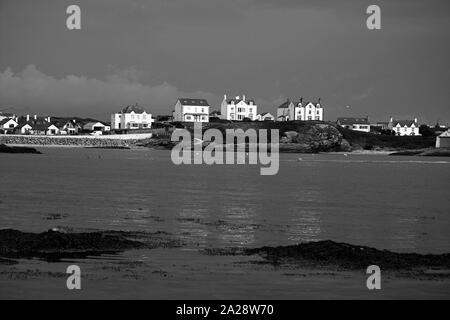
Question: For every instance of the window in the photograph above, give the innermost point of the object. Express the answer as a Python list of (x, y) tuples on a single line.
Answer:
[(250, 110), (144, 116)]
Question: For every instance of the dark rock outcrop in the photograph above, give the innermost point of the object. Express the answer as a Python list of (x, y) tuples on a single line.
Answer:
[(7, 149)]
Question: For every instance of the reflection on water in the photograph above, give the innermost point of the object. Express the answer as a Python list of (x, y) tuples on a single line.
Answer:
[(399, 203), (241, 230), (305, 227)]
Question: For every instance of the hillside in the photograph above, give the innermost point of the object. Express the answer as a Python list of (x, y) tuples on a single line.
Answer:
[(314, 136)]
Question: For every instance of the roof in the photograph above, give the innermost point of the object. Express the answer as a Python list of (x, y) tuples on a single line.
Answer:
[(236, 101), (445, 134), (135, 109), (39, 125), (193, 102), (93, 123), (2, 122), (265, 113), (352, 121), (286, 104), (403, 123)]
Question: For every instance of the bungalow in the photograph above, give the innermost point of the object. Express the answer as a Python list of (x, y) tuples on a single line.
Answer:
[(191, 110), (7, 125), (96, 127), (38, 128), (265, 116), (356, 124), (404, 127), (443, 140)]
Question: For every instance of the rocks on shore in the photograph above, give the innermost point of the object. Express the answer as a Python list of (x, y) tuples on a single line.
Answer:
[(7, 149), (54, 245), (342, 255)]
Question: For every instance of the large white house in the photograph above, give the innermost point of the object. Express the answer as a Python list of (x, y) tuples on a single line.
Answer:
[(238, 108), (132, 117), (404, 127), (356, 124), (291, 110), (191, 110)]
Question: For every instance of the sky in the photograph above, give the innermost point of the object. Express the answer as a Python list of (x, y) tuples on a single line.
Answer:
[(152, 52)]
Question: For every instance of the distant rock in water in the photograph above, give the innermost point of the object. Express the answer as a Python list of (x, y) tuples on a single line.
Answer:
[(54, 245), (342, 255), (7, 149), (329, 253)]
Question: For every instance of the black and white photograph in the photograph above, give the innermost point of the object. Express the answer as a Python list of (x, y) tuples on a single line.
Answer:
[(224, 155)]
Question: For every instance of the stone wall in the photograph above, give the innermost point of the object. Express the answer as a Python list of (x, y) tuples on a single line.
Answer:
[(88, 141)]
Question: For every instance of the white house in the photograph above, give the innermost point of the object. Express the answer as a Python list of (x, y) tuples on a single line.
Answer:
[(443, 140), (356, 124), (70, 127), (404, 127), (191, 110), (132, 117), (38, 128), (291, 110), (7, 125), (238, 108), (96, 127), (265, 116)]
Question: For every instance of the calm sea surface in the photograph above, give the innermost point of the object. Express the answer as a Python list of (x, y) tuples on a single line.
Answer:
[(398, 203)]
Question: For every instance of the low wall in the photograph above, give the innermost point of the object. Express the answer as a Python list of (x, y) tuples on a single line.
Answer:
[(119, 140)]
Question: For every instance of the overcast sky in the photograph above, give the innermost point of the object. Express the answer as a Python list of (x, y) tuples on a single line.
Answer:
[(151, 52)]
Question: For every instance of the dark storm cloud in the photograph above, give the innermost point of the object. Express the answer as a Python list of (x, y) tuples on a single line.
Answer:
[(269, 50)]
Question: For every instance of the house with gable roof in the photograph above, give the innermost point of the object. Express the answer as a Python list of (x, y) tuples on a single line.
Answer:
[(238, 108), (191, 110), (132, 117), (404, 127), (299, 110), (356, 124), (7, 125)]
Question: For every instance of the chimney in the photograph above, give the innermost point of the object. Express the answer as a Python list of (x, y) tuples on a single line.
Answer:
[(35, 117), (243, 97), (301, 100), (225, 97), (28, 117), (391, 119), (237, 97), (48, 119), (415, 120)]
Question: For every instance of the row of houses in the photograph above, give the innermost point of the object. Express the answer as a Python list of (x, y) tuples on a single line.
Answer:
[(35, 125), (240, 108), (399, 127)]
